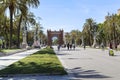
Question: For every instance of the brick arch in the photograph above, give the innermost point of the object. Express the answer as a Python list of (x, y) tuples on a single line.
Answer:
[(58, 34)]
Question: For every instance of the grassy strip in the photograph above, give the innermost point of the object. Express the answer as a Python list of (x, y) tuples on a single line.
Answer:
[(41, 62), (7, 51)]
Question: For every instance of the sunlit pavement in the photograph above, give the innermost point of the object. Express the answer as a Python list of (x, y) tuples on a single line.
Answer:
[(90, 64)]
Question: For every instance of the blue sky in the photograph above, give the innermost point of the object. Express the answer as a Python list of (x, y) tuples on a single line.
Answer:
[(71, 14)]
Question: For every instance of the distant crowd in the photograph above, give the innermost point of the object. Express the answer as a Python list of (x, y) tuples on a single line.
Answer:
[(68, 45)]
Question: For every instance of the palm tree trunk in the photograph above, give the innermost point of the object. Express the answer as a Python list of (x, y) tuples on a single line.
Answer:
[(89, 39), (94, 42), (18, 32), (11, 28), (6, 33)]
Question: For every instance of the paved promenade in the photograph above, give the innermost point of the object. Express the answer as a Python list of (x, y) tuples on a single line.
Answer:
[(90, 64)]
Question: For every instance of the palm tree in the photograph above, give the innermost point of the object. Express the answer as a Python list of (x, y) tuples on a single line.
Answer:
[(96, 32), (4, 28), (37, 32), (44, 39), (67, 37), (112, 28), (30, 18), (78, 40), (88, 29), (85, 35), (16, 5), (89, 25), (13, 6), (75, 36), (101, 37)]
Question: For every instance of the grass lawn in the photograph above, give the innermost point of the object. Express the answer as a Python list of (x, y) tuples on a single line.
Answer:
[(7, 51), (42, 62)]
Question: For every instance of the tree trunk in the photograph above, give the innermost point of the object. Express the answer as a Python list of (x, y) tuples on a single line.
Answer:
[(18, 32), (94, 42), (6, 34), (90, 39), (11, 27), (82, 41)]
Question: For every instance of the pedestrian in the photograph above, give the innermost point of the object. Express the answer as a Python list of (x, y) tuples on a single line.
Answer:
[(68, 46), (110, 46), (84, 46), (58, 47), (111, 53), (115, 46)]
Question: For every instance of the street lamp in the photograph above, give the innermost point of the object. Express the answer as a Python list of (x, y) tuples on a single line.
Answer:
[(24, 43)]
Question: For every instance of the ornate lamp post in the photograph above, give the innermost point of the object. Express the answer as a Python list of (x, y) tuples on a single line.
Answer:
[(36, 43)]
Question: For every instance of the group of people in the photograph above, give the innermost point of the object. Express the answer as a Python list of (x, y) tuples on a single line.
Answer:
[(68, 45)]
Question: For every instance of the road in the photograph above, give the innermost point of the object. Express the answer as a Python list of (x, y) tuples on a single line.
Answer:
[(90, 64)]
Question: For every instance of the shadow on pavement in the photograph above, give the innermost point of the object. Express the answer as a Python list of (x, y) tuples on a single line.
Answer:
[(7, 59), (69, 49), (72, 58), (60, 54), (35, 78), (78, 72), (2, 66)]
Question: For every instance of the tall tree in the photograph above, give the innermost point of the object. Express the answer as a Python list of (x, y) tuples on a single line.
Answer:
[(16, 6), (89, 25), (75, 36), (13, 6), (88, 29)]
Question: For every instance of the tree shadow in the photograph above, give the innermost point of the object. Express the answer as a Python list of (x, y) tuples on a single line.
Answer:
[(2, 66), (116, 55), (60, 54), (24, 55), (72, 58), (78, 72), (35, 77), (70, 50), (7, 59)]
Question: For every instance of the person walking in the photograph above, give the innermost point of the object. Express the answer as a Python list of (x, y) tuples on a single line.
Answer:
[(111, 52), (84, 46), (110, 46), (68, 45), (58, 47), (116, 46)]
